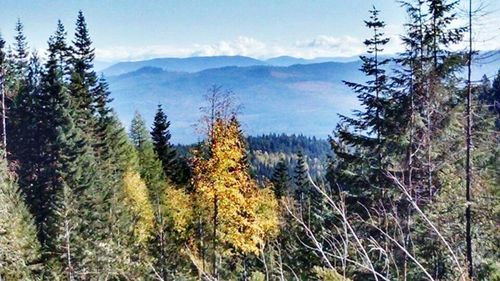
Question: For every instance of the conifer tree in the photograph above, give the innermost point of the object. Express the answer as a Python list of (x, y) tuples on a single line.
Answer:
[(280, 179), (15, 68), (301, 180), (72, 174), (150, 166), (50, 107), (366, 133), (83, 77), (19, 247), (115, 217), (160, 135), (21, 53)]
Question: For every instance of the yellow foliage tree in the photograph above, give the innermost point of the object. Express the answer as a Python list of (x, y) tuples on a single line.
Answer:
[(240, 214), (178, 208), (137, 196)]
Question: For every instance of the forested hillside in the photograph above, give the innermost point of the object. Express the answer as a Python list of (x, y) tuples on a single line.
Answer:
[(266, 151), (405, 188)]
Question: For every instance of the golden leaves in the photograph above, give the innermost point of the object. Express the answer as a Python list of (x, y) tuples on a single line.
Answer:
[(245, 215), (136, 194)]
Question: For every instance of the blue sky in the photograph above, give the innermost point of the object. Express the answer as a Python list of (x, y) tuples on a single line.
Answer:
[(132, 30)]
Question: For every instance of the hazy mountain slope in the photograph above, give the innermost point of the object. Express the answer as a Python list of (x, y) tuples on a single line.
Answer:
[(297, 99), (192, 64), (301, 98)]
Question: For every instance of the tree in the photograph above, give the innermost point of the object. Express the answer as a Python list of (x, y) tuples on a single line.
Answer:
[(14, 73), (367, 133), (19, 247), (226, 196), (49, 107), (150, 166), (121, 216), (21, 54), (161, 140), (280, 179), (83, 78), (301, 179)]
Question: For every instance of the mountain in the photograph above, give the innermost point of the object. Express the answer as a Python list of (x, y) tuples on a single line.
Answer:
[(195, 64), (295, 99), (303, 98), (191, 64)]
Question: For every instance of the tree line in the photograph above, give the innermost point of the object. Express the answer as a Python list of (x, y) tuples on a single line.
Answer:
[(406, 195)]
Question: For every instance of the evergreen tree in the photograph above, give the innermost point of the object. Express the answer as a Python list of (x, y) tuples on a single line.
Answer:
[(21, 54), (49, 108), (161, 140), (71, 173), (280, 179), (15, 68), (19, 247), (366, 134), (115, 217), (83, 78), (150, 165), (301, 180)]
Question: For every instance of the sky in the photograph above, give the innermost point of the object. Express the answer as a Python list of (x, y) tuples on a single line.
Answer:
[(124, 30)]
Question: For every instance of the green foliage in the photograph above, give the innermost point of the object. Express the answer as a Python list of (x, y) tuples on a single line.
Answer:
[(172, 166), (19, 247), (280, 180), (94, 204), (150, 166)]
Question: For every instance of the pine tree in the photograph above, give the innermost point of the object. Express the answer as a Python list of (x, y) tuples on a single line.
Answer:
[(301, 179), (366, 134), (161, 140), (73, 174), (150, 165), (15, 68), (115, 220), (83, 80), (21, 54), (49, 108), (19, 247), (280, 179)]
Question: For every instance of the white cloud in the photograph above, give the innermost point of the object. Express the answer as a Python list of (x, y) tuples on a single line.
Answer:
[(319, 46), (486, 38), (244, 46)]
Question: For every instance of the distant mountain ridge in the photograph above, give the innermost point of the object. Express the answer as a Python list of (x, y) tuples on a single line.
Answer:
[(195, 64), (301, 98), (295, 99)]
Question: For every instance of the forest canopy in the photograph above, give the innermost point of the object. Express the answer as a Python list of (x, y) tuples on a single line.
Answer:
[(406, 187)]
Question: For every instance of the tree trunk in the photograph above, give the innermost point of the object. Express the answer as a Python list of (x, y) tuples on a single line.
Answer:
[(468, 165)]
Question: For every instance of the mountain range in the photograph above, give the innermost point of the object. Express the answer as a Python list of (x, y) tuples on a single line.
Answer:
[(282, 95), (194, 64)]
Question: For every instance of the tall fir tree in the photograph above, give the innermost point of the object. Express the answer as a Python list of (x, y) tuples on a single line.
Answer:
[(21, 53), (83, 79), (167, 154), (281, 179), (150, 165), (301, 179), (19, 247), (366, 134)]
